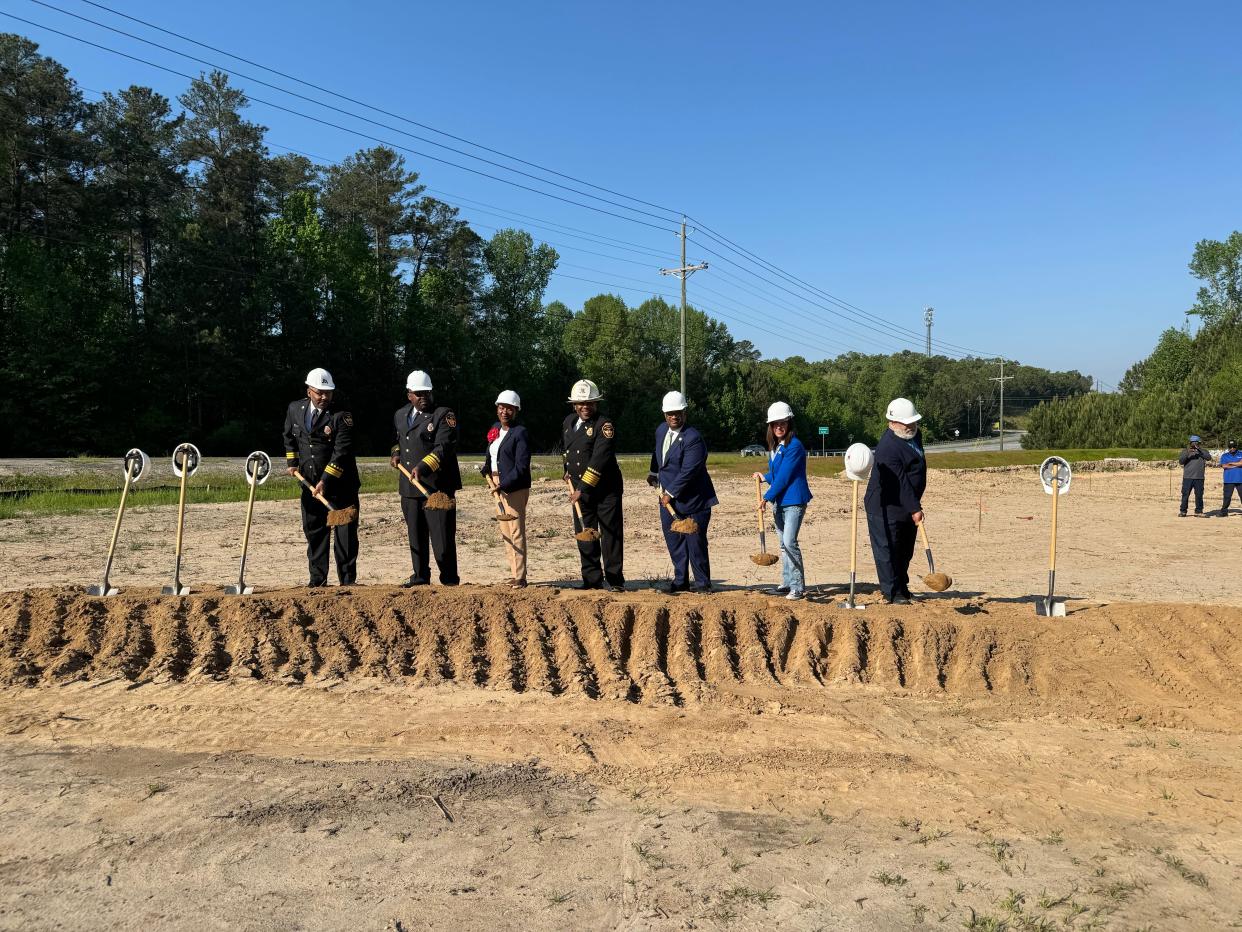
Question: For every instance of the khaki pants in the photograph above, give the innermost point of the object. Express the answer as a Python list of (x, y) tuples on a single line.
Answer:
[(514, 533)]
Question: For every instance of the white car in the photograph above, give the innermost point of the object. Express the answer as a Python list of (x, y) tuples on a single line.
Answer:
[(755, 449)]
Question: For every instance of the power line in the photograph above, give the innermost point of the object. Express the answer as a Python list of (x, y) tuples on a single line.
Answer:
[(349, 113), (368, 106), (724, 241), (345, 129)]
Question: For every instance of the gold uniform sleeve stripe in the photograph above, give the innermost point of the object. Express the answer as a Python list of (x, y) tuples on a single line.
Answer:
[(333, 470), (432, 460), (395, 449), (290, 456), (591, 477)]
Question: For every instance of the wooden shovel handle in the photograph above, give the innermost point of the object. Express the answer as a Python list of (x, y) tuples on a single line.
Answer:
[(759, 503), (310, 488), (185, 474), (1052, 544), (577, 505), (413, 481), (669, 508)]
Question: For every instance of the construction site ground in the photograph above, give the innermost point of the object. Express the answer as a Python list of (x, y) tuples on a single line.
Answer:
[(483, 758)]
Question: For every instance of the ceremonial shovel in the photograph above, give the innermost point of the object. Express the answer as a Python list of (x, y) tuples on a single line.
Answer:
[(1055, 475), (186, 467), (586, 534), (936, 582), (436, 501), (258, 467), (850, 603), (762, 558), (502, 513), (136, 464)]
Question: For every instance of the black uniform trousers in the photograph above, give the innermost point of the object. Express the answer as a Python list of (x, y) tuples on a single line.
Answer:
[(344, 538), (688, 551), (892, 545), (603, 512), (424, 524)]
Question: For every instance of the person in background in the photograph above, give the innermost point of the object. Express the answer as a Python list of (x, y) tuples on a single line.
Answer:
[(1193, 460), (789, 493), (894, 499), (507, 463), (679, 471), (1231, 463)]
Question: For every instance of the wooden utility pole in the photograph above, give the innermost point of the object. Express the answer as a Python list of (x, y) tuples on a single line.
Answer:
[(684, 272), (1002, 379)]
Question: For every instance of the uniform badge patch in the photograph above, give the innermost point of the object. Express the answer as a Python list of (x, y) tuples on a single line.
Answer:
[(607, 430), (450, 419), (347, 419), (431, 428), (590, 431)]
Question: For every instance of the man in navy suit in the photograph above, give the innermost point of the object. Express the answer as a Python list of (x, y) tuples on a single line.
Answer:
[(894, 499), (679, 471)]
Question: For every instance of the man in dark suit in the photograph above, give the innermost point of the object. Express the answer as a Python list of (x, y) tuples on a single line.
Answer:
[(426, 446), (894, 499), (679, 470), (319, 445)]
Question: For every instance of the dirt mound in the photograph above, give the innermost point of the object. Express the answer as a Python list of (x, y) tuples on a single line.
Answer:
[(640, 647)]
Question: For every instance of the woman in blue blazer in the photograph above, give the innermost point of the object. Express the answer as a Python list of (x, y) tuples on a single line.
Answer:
[(789, 494), (507, 462)]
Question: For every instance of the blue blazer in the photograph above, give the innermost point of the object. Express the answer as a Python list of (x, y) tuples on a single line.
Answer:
[(787, 475), (512, 466), (683, 475)]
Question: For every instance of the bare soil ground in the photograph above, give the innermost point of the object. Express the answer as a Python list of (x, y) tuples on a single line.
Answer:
[(478, 758)]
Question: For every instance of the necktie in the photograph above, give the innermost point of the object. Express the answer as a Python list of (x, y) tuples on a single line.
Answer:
[(669, 437)]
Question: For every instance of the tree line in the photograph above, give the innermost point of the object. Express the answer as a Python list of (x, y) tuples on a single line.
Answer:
[(165, 277), (1188, 385)]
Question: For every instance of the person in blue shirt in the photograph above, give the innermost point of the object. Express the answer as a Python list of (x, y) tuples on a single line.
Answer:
[(1231, 463), (894, 499), (788, 493), (679, 471)]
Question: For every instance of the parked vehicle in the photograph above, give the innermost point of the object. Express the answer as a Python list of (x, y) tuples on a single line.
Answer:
[(755, 449)]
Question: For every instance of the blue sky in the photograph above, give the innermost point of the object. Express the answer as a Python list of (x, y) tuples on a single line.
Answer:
[(1038, 174)]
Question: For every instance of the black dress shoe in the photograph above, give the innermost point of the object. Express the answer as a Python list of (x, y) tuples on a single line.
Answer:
[(613, 587), (583, 587), (702, 590), (674, 588), (414, 581), (899, 600)]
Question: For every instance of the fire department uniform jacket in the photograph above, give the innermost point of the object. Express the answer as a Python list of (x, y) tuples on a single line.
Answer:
[(590, 458), (325, 451), (428, 448)]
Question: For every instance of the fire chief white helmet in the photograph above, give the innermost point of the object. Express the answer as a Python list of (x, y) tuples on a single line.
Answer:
[(418, 381), (858, 462), (584, 390), (509, 397), (673, 401), (320, 379), (902, 411), (779, 411)]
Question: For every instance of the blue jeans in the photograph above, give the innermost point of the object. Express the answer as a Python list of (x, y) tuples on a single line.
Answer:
[(788, 523)]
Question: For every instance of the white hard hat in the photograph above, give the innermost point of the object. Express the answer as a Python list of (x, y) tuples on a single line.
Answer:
[(858, 461), (673, 401), (320, 379), (509, 397), (584, 390), (779, 411), (418, 381), (902, 411)]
